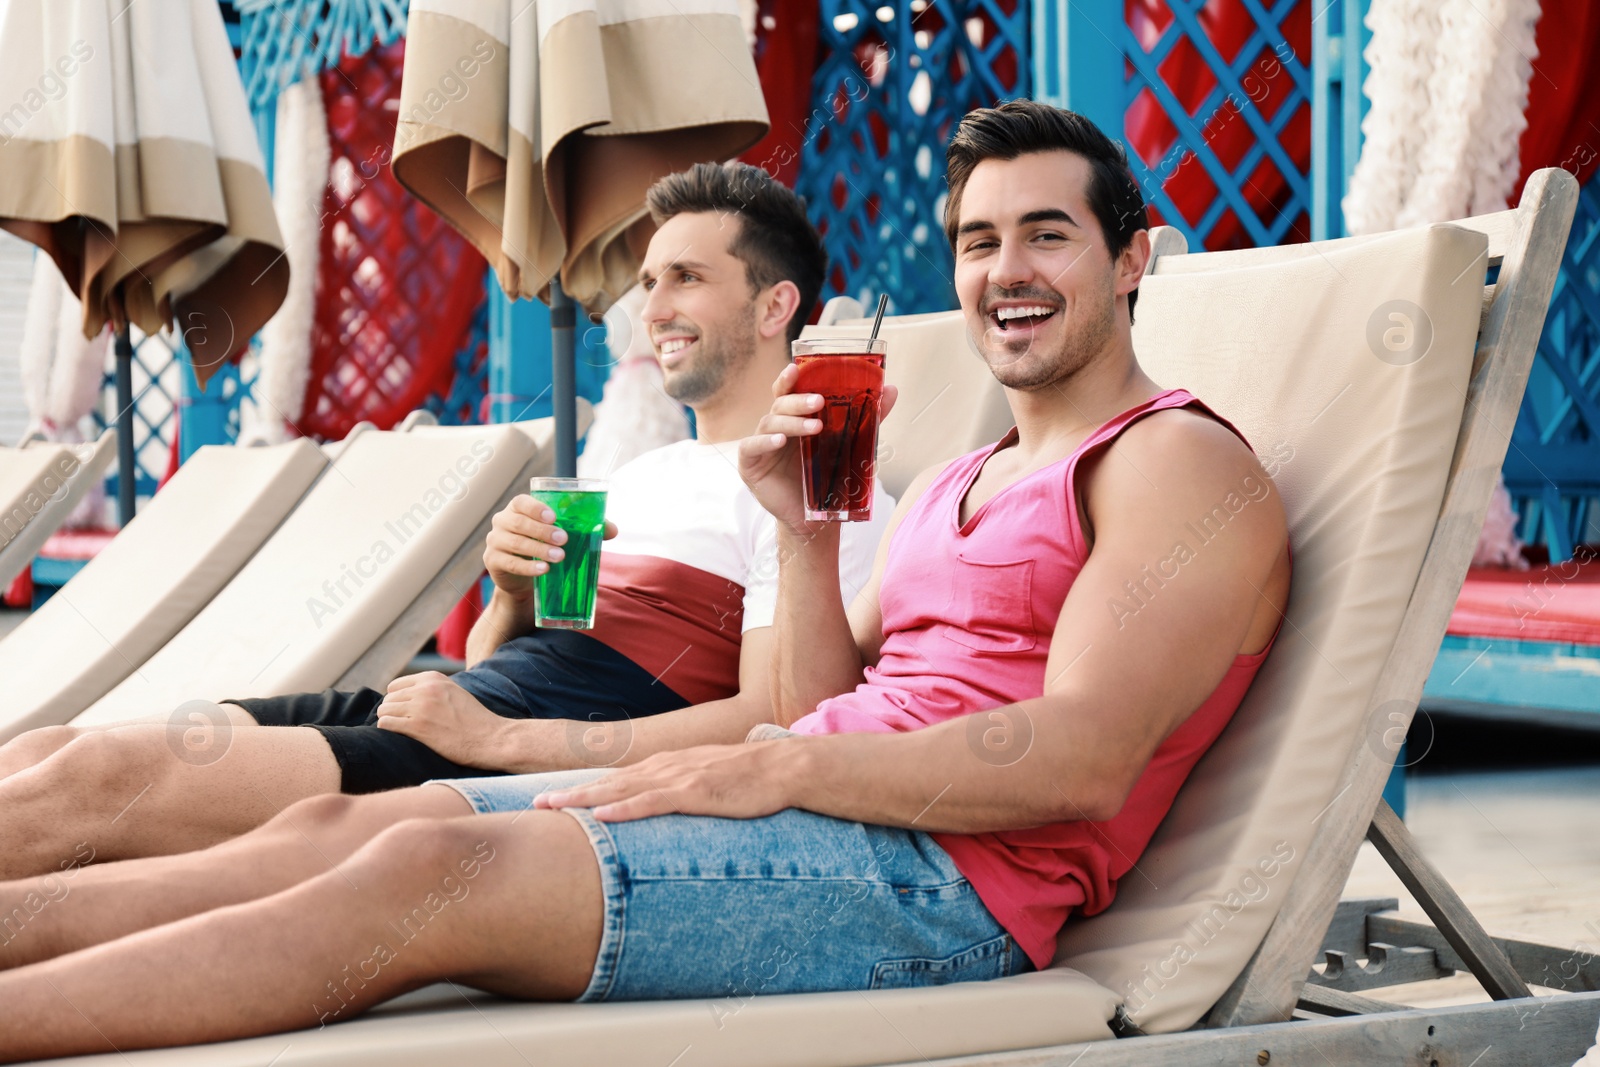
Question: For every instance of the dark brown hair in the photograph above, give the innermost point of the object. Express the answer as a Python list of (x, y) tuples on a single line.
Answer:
[(776, 241), (1019, 127)]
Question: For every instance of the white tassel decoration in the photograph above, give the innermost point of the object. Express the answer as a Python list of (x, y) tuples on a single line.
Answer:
[(38, 348), (634, 414), (1477, 94), (300, 177), (1401, 55), (1449, 85), (62, 372), (77, 374)]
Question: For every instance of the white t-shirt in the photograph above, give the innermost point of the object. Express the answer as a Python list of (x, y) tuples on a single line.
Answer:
[(695, 564)]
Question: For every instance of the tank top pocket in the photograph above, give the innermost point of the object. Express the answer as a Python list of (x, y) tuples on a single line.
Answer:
[(991, 605)]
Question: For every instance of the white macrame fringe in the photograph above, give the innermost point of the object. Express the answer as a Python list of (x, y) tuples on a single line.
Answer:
[(1479, 91), (78, 370), (38, 348), (634, 414), (1449, 86), (300, 176), (62, 371), (1405, 34)]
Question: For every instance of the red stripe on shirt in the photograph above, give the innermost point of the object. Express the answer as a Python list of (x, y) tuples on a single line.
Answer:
[(678, 622)]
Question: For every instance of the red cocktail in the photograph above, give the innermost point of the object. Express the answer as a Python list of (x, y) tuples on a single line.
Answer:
[(838, 466)]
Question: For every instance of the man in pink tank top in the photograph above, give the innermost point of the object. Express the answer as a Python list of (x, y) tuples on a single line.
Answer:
[(1058, 626), (1056, 629)]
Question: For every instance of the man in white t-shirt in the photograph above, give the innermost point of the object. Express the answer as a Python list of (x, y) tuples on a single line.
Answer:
[(679, 654)]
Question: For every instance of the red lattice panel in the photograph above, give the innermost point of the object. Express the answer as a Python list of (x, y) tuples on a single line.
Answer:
[(1228, 25), (396, 286)]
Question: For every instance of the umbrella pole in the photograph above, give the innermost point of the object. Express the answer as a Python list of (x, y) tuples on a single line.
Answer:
[(563, 379), (127, 472)]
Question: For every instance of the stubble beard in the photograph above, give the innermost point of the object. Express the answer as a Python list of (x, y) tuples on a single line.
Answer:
[(720, 351), (1012, 367)]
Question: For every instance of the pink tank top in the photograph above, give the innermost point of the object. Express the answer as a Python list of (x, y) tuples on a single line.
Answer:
[(968, 611)]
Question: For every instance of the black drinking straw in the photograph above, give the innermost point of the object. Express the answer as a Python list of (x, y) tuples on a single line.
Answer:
[(883, 302), (853, 417), (830, 500)]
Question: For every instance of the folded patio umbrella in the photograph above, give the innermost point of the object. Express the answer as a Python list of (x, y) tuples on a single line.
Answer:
[(536, 127), (128, 154)]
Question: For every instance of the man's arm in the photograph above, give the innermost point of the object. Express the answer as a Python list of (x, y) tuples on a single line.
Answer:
[(436, 711), (1115, 686), (1120, 677), (822, 649), (504, 617), (716, 722)]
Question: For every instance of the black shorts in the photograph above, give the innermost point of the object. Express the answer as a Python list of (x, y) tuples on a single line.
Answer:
[(551, 674)]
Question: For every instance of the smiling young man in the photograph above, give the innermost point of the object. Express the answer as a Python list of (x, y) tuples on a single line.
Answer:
[(978, 748), (683, 620)]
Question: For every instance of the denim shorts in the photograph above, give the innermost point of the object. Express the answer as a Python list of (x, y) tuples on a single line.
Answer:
[(699, 907)]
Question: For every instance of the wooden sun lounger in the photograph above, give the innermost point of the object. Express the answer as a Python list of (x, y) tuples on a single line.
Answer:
[(1383, 436)]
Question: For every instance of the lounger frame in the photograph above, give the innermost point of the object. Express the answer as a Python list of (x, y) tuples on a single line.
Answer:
[(1282, 1011)]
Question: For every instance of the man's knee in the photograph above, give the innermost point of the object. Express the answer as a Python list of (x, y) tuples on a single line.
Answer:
[(321, 812), (96, 760), (436, 854), (43, 741)]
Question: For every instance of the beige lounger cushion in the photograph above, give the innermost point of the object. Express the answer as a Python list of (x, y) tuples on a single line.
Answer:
[(369, 537), (28, 478), (40, 485), (1361, 449), (436, 1027), (150, 580)]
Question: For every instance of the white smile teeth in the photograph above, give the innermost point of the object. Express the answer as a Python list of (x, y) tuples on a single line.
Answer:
[(669, 347), (1006, 314)]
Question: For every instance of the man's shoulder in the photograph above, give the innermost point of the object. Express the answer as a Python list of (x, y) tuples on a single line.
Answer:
[(1184, 439), (1177, 460)]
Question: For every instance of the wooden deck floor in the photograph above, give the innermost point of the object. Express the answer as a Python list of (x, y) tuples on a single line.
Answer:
[(1521, 847)]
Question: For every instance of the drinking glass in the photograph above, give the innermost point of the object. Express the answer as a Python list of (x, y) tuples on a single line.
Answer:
[(564, 595), (838, 466)]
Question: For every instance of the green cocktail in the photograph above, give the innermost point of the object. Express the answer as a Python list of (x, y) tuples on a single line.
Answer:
[(564, 595)]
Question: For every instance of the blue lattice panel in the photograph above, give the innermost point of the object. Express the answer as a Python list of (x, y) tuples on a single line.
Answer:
[(157, 384), (463, 403), (282, 41), (238, 388), (893, 82), (1218, 110), (1553, 465)]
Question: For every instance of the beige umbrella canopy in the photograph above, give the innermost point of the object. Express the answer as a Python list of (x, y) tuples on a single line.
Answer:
[(127, 153), (535, 126)]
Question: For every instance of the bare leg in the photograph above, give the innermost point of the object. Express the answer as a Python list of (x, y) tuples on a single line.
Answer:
[(25, 750), (48, 916), (144, 790), (520, 915)]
